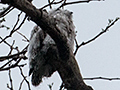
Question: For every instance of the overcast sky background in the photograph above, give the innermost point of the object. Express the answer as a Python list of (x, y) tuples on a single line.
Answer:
[(99, 58)]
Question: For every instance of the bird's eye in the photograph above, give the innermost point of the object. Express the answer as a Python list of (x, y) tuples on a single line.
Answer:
[(71, 12)]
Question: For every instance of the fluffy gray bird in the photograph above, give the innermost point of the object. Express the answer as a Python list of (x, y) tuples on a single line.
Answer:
[(40, 43)]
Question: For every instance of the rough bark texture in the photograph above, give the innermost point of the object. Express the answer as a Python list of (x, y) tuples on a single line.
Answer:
[(67, 67)]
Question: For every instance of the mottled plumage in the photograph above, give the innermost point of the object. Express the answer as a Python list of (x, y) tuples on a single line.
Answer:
[(41, 42)]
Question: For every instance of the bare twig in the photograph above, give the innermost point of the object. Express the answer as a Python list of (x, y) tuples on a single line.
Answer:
[(5, 42), (58, 2), (10, 79), (6, 64), (13, 30), (24, 77), (14, 56), (77, 2), (6, 11), (64, 2), (26, 39), (49, 4), (21, 84), (11, 48), (2, 25), (2, 20), (52, 3), (101, 78), (21, 23), (8, 86), (98, 35), (9, 72), (12, 66), (23, 52)]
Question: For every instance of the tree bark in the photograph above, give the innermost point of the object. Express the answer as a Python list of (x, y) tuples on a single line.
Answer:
[(67, 67)]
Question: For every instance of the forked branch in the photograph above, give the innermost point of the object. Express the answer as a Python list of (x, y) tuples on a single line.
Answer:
[(110, 24)]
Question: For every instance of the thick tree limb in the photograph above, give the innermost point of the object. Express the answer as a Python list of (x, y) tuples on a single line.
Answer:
[(67, 67)]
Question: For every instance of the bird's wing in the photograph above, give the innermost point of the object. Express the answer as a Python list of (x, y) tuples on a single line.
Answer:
[(35, 45)]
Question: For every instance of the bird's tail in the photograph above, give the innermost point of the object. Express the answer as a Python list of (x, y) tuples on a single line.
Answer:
[(44, 71), (36, 79)]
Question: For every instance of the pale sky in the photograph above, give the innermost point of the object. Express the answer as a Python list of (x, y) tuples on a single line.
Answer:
[(99, 58)]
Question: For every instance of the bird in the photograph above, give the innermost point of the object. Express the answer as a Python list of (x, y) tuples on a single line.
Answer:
[(41, 43)]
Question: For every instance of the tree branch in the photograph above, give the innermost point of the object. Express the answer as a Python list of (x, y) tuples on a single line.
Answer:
[(25, 38), (77, 2), (11, 81), (6, 11), (98, 35), (14, 56), (101, 78), (24, 78), (13, 30)]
